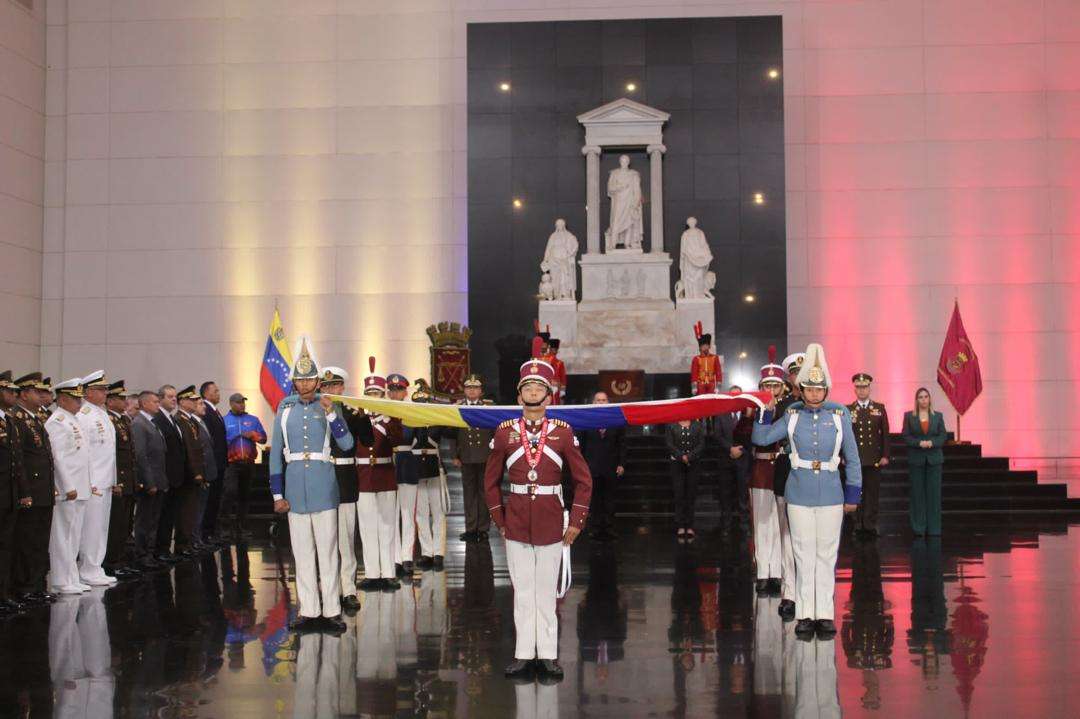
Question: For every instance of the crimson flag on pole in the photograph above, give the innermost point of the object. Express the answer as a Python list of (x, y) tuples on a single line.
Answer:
[(958, 367)]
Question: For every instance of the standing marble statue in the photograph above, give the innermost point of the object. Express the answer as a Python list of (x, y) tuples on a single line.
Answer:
[(624, 189), (694, 259), (559, 262)]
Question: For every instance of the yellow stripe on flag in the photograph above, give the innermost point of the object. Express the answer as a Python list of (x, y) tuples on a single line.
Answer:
[(414, 414), (277, 334)]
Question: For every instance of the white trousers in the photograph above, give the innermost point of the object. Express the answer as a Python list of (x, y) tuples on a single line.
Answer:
[(815, 539), (431, 518), (346, 542), (94, 537), (534, 572), (376, 515), (406, 494), (766, 533), (536, 701), (787, 555), (64, 540), (315, 552), (816, 693)]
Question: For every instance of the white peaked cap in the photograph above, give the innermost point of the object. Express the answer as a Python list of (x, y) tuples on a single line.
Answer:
[(815, 370)]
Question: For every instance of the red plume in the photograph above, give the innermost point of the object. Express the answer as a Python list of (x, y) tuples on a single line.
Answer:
[(697, 330), (772, 354), (547, 328), (536, 326), (371, 363)]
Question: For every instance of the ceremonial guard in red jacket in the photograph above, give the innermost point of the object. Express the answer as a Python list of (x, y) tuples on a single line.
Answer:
[(533, 450), (706, 373), (376, 506), (558, 382)]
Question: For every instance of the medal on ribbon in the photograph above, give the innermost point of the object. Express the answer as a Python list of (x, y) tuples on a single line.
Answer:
[(533, 451)]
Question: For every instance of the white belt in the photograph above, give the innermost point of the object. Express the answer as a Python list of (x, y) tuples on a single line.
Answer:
[(344, 460), (403, 448), (377, 460), (766, 455), (425, 451), (535, 489), (307, 457), (815, 465)]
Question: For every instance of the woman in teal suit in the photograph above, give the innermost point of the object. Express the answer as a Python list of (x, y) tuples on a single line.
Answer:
[(924, 434)]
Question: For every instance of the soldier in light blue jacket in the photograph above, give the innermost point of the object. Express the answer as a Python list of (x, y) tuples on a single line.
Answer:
[(304, 484), (819, 433)]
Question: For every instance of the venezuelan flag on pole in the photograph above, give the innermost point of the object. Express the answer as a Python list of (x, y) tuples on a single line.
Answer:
[(587, 416), (276, 364)]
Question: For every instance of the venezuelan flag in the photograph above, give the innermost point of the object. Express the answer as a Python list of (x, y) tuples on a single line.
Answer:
[(581, 416), (276, 364)]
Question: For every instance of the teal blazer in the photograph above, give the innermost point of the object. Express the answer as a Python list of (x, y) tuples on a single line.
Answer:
[(913, 434)]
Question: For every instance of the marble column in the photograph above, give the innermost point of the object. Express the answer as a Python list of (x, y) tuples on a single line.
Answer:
[(592, 198), (656, 197)]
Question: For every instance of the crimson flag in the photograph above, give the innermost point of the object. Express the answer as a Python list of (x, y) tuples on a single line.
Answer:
[(958, 368)]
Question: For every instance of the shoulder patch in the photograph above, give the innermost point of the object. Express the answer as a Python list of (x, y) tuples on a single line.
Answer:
[(85, 409)]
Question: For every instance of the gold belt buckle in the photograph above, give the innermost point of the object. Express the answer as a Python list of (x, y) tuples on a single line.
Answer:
[(307, 456), (816, 466), (532, 492)]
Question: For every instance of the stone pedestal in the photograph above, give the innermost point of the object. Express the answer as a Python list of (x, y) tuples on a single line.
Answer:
[(561, 316), (625, 275), (690, 312)]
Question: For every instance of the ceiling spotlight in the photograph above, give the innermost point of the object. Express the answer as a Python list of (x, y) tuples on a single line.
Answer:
[(759, 198), (630, 87), (504, 86), (518, 204), (773, 73), (742, 355), (749, 298)]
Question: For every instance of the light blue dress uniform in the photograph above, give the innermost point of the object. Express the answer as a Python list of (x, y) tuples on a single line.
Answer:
[(814, 440), (310, 485), (301, 469), (814, 494)]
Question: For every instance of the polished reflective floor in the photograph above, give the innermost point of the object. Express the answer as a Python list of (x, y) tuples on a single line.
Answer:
[(981, 623)]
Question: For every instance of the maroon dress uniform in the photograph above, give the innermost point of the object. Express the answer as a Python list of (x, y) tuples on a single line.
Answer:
[(534, 455), (376, 505)]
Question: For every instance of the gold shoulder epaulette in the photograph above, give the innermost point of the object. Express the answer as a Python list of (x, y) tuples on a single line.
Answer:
[(839, 410), (508, 424), (559, 423), (792, 410), (487, 402)]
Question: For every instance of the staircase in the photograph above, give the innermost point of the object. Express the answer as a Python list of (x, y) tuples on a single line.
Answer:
[(971, 483)]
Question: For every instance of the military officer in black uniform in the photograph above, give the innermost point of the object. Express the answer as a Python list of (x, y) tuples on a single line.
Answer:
[(14, 493), (470, 455), (34, 520), (118, 559), (871, 424)]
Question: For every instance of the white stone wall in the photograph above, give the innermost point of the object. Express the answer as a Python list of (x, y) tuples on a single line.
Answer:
[(213, 155), (22, 168)]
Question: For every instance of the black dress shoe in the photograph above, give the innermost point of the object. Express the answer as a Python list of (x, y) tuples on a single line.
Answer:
[(304, 624), (468, 536), (334, 625), (399, 570), (370, 585), (350, 603), (408, 567), (424, 563), (10, 606), (518, 669), (825, 628), (775, 588), (804, 628), (391, 585), (786, 610), (549, 668), (761, 586), (437, 562)]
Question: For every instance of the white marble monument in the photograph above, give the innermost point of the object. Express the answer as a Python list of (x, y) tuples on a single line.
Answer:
[(626, 318)]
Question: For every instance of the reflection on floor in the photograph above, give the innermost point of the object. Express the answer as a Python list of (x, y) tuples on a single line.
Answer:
[(650, 628)]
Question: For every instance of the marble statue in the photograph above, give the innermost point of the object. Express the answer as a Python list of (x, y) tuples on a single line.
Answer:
[(560, 259), (694, 259), (624, 189), (547, 290)]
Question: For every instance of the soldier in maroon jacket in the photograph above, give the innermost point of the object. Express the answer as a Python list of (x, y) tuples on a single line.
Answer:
[(533, 450), (376, 506)]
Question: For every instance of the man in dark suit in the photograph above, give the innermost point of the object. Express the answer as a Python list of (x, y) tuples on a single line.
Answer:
[(732, 435), (151, 478), (605, 453), (175, 470), (194, 474), (215, 425), (871, 424)]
